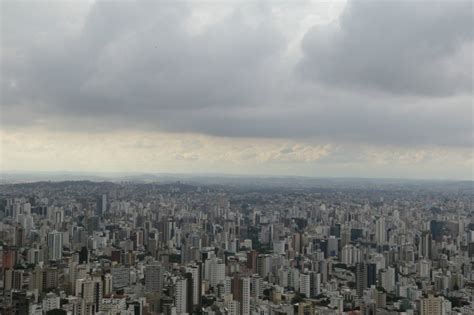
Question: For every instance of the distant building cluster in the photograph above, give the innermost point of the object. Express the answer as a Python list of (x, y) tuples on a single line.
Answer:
[(83, 248)]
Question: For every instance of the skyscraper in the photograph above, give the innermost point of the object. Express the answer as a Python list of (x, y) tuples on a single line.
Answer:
[(196, 285), (425, 248), (305, 284), (55, 246), (180, 295), (380, 232), (120, 277), (154, 278), (101, 205), (315, 284), (214, 271), (366, 276), (91, 292), (256, 288), (387, 279), (245, 302)]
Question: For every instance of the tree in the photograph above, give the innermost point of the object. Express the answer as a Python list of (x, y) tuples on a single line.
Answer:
[(299, 297)]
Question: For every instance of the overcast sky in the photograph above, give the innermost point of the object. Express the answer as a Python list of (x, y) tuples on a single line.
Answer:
[(337, 88)]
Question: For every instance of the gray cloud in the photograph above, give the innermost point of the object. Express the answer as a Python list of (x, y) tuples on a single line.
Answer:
[(137, 65), (414, 47)]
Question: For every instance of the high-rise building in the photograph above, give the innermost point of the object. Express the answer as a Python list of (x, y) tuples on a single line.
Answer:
[(36, 279), (107, 284), (380, 299), (168, 226), (322, 267), (7, 279), (380, 231), (345, 235), (154, 277), (332, 248), (180, 295), (90, 290), (19, 236), (17, 280), (256, 286), (196, 285), (50, 278), (101, 205), (263, 265), (232, 307), (425, 248), (241, 293), (305, 284), (9, 257), (387, 279), (350, 255), (252, 261), (214, 271), (120, 277), (315, 284), (424, 268), (431, 305), (245, 302), (21, 302), (50, 302), (33, 256), (296, 244), (366, 276), (55, 246)]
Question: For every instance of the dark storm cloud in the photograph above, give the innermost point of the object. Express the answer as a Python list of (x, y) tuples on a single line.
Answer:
[(415, 47), (137, 65), (138, 57)]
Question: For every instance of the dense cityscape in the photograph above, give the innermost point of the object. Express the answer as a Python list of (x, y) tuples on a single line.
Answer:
[(229, 157), (240, 248)]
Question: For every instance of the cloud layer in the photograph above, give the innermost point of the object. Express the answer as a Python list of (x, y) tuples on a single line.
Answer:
[(33, 150), (422, 48), (375, 73)]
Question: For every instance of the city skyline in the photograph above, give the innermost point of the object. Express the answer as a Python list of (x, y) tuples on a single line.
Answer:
[(236, 248)]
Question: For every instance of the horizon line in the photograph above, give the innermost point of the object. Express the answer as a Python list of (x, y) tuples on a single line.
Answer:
[(221, 175)]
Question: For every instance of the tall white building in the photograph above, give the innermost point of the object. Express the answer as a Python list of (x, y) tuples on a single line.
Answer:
[(108, 284), (245, 296), (350, 255), (227, 285), (294, 278), (180, 295), (305, 284), (424, 268), (232, 307), (315, 284), (256, 286), (51, 302), (387, 279), (283, 277), (214, 271)]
